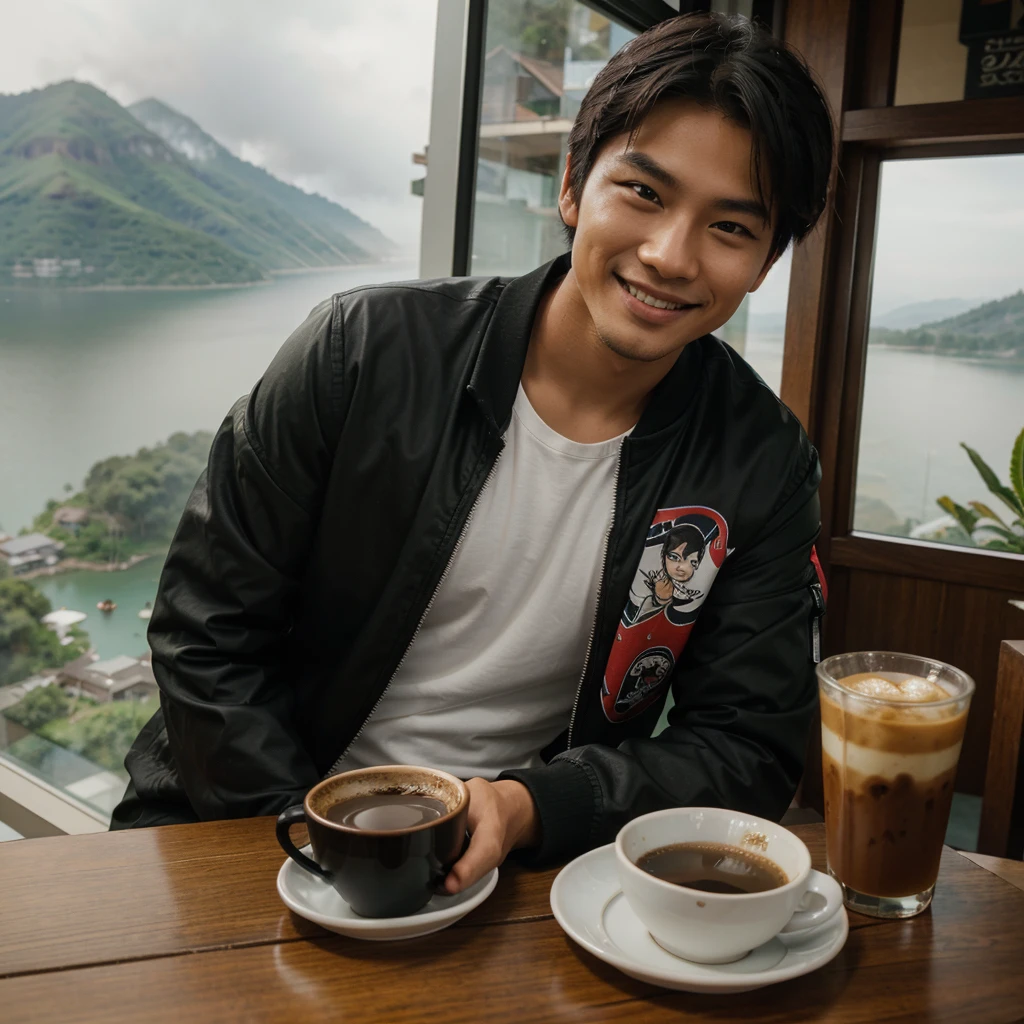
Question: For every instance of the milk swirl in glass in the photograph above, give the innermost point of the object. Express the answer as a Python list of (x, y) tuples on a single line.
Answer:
[(891, 730)]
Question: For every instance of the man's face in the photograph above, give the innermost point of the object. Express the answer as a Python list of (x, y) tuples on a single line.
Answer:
[(680, 564), (670, 234)]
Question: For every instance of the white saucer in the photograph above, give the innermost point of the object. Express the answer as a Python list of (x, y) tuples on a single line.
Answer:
[(588, 903), (318, 901)]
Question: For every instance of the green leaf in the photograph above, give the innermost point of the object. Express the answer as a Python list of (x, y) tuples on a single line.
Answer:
[(964, 516), (985, 511), (1017, 467), (1002, 531), (1001, 545), (992, 482)]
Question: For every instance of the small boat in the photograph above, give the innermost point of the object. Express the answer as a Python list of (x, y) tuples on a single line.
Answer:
[(146, 611), (106, 605)]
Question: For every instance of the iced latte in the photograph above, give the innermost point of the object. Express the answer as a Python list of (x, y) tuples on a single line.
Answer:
[(891, 730)]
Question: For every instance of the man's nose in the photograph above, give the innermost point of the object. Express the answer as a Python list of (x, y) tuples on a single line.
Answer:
[(673, 249)]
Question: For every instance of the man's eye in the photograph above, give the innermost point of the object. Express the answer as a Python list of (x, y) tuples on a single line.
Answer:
[(730, 227), (644, 191)]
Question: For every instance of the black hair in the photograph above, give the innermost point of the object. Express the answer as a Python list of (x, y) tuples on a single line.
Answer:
[(727, 63), (687, 534)]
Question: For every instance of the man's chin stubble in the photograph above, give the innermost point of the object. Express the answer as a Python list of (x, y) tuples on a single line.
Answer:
[(636, 356)]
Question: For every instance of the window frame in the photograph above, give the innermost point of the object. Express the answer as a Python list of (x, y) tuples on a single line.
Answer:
[(854, 49)]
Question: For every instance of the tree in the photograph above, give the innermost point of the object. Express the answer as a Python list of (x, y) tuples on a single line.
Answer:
[(39, 706), (26, 645)]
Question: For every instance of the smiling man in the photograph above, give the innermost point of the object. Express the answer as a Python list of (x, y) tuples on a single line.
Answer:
[(490, 526)]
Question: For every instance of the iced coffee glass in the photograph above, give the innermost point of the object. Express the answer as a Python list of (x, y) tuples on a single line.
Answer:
[(891, 729)]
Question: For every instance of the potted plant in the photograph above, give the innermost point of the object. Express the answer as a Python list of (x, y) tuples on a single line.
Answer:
[(983, 525)]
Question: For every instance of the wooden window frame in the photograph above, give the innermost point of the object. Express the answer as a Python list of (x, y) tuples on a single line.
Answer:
[(854, 50)]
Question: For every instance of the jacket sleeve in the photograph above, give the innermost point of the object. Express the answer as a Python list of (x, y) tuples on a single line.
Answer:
[(229, 584), (744, 694)]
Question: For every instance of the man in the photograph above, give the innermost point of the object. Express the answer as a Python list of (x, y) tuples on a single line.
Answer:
[(422, 536)]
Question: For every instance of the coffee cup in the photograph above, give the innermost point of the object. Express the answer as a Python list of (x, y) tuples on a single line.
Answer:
[(384, 837), (719, 927)]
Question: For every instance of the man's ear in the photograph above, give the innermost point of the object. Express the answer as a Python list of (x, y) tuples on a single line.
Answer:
[(567, 206), (768, 264)]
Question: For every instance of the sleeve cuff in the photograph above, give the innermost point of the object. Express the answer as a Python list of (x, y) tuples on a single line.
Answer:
[(567, 800)]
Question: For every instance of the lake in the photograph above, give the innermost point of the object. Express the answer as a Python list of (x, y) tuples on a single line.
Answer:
[(85, 375)]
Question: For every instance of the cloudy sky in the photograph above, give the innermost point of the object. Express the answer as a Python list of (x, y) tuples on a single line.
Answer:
[(334, 96), (331, 95)]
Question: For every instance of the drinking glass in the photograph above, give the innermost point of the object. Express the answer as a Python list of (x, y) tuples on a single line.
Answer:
[(888, 768)]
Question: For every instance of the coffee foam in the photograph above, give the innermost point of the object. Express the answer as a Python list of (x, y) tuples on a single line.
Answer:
[(896, 687), (908, 726), (888, 764)]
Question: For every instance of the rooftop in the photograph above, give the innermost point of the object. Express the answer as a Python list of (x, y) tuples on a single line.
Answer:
[(31, 541)]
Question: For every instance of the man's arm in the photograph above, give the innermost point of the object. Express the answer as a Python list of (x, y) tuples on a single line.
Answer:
[(228, 588), (744, 695)]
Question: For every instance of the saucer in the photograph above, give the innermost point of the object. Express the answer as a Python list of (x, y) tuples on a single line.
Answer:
[(588, 903), (318, 901)]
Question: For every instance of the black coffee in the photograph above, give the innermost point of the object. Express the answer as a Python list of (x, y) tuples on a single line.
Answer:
[(713, 867), (386, 812)]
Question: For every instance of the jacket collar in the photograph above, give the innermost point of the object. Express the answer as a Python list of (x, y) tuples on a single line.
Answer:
[(499, 363)]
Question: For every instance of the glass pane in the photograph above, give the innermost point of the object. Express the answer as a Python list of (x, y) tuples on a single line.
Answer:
[(945, 364), (540, 58), (757, 329), (176, 193), (960, 49)]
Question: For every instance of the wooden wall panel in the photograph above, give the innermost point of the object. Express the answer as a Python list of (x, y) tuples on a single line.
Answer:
[(962, 625)]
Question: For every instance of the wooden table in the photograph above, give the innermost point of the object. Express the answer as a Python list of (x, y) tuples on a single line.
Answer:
[(184, 924)]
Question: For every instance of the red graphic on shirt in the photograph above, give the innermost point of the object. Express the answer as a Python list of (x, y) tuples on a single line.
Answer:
[(684, 550)]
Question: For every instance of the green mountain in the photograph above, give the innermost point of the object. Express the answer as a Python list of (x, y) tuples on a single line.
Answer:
[(321, 231), (90, 195), (994, 329)]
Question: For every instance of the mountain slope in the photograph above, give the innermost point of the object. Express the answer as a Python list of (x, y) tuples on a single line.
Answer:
[(992, 329), (915, 314), (85, 182), (221, 169), (78, 176)]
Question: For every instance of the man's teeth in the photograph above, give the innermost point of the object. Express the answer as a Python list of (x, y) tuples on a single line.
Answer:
[(650, 300)]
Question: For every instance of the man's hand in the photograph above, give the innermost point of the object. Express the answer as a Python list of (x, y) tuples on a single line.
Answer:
[(502, 817), (663, 588)]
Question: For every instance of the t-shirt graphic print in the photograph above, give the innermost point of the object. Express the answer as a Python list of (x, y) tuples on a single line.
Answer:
[(684, 549)]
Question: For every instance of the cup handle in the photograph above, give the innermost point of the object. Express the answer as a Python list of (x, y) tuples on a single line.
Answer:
[(295, 815), (826, 887)]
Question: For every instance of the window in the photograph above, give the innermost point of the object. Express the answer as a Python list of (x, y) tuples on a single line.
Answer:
[(540, 57), (179, 193), (945, 362), (757, 329)]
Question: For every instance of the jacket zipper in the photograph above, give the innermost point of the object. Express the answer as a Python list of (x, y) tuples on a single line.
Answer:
[(600, 591), (817, 614), (426, 611)]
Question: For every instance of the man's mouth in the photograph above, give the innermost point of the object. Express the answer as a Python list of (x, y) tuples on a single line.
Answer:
[(654, 301)]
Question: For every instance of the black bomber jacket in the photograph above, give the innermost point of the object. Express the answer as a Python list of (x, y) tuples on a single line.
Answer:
[(334, 497)]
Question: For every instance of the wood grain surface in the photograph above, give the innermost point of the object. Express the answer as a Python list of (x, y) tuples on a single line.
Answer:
[(183, 923), (1008, 870)]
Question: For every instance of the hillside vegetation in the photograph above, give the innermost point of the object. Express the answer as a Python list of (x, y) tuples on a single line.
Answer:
[(134, 501), (86, 182), (993, 330), (26, 645)]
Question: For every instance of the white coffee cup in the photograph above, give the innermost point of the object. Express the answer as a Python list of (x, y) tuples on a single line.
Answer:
[(718, 928)]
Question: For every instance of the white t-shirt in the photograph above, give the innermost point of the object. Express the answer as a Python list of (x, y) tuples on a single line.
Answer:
[(492, 674)]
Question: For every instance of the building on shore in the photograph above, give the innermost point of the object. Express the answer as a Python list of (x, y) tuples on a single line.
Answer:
[(70, 518), (120, 678), (33, 551)]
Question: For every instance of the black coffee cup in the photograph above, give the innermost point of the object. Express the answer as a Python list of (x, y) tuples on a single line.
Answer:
[(381, 873)]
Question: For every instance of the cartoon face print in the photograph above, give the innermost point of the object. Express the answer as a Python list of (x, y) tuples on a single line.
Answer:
[(684, 549)]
